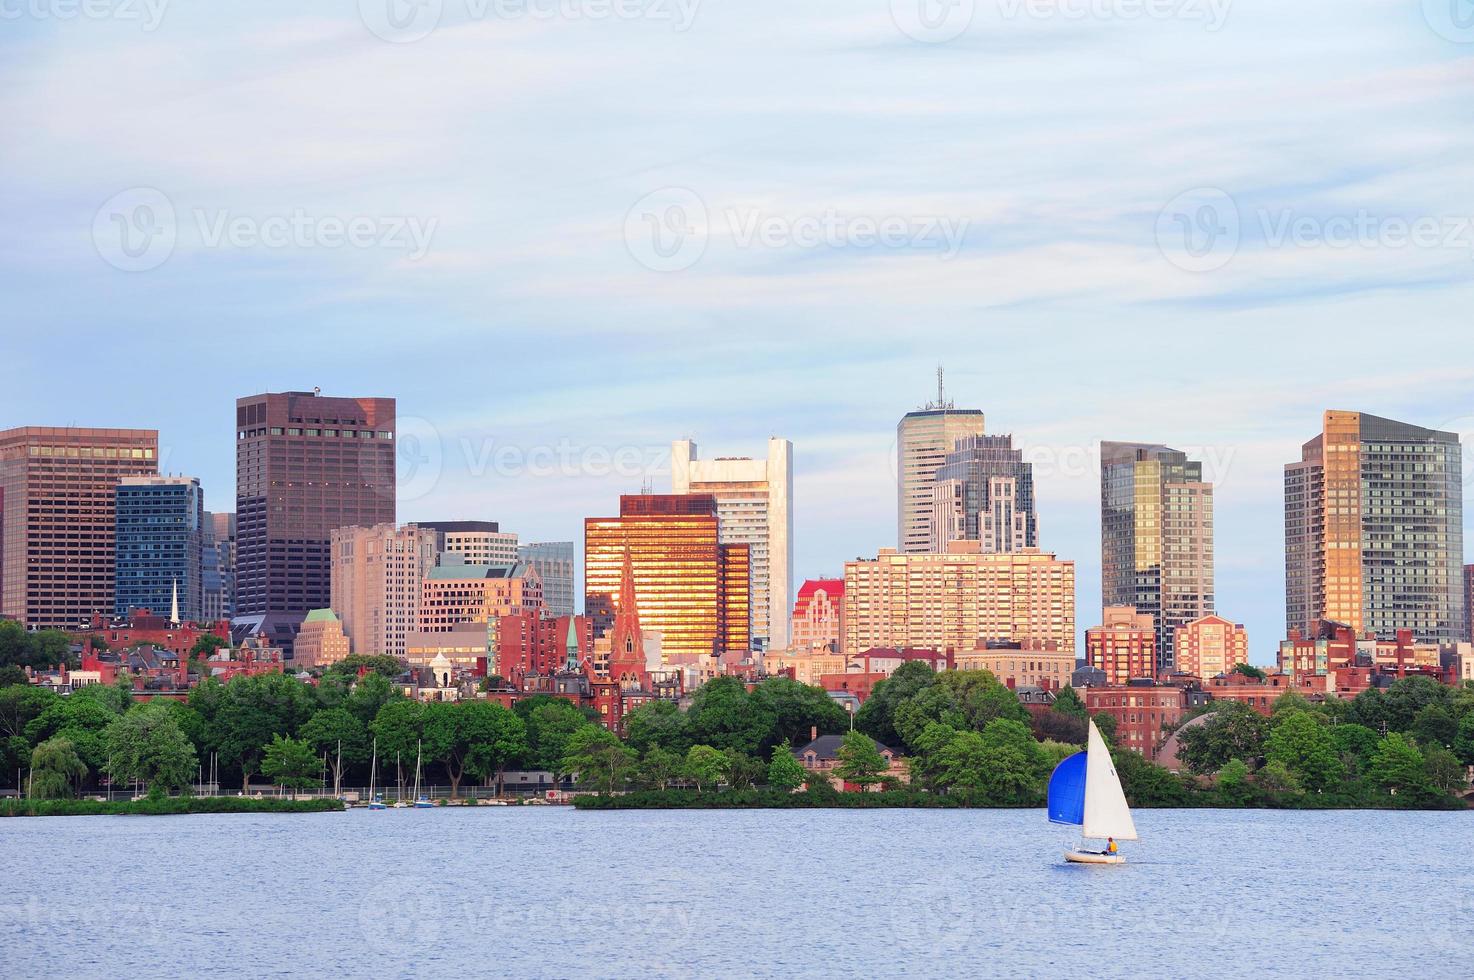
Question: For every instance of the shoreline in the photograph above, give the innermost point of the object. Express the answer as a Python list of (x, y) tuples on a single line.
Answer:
[(165, 807)]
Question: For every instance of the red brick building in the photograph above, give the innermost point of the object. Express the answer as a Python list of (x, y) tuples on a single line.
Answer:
[(1141, 711), (144, 627)]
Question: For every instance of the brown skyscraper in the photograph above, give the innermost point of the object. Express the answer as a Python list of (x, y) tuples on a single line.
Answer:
[(305, 465), (56, 519), (692, 590)]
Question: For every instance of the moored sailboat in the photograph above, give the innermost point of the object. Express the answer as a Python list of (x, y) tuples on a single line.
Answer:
[(376, 800), (1085, 791)]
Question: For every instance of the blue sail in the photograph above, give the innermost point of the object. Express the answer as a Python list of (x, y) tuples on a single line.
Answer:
[(1067, 791)]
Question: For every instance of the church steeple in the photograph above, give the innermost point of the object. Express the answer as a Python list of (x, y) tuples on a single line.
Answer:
[(174, 607), (627, 658), (570, 661)]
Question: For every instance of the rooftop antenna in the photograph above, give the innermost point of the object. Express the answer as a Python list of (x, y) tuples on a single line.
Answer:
[(941, 404)]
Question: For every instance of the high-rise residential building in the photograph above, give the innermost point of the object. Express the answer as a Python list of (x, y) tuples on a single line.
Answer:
[(57, 519), (754, 507), (818, 615), (305, 465), (923, 440), (554, 562), (1211, 646), (984, 491), (959, 600), (378, 583), (454, 595), (1156, 537), (218, 576), (1374, 530), (473, 542), (1469, 603), (159, 555), (1124, 646), (693, 590)]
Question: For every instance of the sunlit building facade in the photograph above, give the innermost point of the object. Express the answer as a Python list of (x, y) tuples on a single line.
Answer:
[(378, 583), (473, 542), (1374, 530), (818, 615), (1124, 645), (58, 519), (693, 590), (1156, 517), (1211, 646), (959, 600), (984, 491), (923, 440), (453, 595), (754, 509)]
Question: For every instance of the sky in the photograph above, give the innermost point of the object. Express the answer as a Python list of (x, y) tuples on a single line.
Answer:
[(565, 232)]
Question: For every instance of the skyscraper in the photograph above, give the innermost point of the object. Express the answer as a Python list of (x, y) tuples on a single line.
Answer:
[(305, 464), (160, 538), (923, 440), (553, 561), (754, 507), (984, 491), (218, 581), (692, 589), (1374, 530), (378, 582), (1156, 538), (57, 519)]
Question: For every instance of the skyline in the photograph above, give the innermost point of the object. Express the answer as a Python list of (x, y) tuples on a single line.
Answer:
[(1058, 468), (1065, 315)]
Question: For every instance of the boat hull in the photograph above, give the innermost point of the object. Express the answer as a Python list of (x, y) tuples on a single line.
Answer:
[(1085, 857)]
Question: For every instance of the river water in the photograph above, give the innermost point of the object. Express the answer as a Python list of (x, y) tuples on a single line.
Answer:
[(549, 892)]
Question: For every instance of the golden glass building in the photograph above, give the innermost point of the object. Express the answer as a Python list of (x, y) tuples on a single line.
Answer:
[(1374, 530), (693, 590), (1156, 538)]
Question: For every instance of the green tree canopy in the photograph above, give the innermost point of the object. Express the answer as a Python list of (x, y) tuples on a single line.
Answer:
[(1464, 740), (1434, 724), (796, 710), (657, 724), (386, 666), (785, 772), (876, 716), (1305, 746), (550, 724), (658, 767), (1232, 731), (707, 766), (251, 711), (495, 736), (56, 769), (598, 757), (291, 763), (859, 761), (1067, 702), (1355, 746), (147, 746), (724, 716), (1398, 767)]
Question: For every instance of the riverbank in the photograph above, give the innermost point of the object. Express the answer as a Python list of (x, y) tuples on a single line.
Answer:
[(167, 806), (685, 799)]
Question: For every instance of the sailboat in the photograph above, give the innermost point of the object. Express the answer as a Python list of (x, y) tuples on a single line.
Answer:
[(376, 800), (1085, 791), (421, 802)]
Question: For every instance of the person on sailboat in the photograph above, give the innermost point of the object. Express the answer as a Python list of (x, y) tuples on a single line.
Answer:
[(1110, 846)]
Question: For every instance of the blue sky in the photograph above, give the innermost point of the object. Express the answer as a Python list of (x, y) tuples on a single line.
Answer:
[(582, 230)]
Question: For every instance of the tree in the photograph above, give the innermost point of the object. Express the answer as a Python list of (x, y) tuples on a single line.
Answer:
[(1002, 762), (707, 766), (785, 772), (1146, 783), (1409, 695), (1306, 748), (1248, 670), (1233, 783), (655, 724), (39, 651), (1444, 770), (56, 769), (1398, 767), (657, 768), (1434, 725), (1355, 746), (497, 738), (12, 676), (859, 761), (926, 707), (81, 719), (1277, 779), (876, 716), (251, 711), (796, 710), (1233, 731), (1369, 708), (1106, 725), (550, 725), (331, 728), (1291, 700), (291, 763), (386, 666), (147, 746), (1067, 702), (925, 764), (743, 770), (723, 715), (1464, 740), (399, 729), (206, 645), (598, 757)]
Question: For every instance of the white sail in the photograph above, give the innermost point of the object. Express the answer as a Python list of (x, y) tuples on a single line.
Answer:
[(1106, 812)]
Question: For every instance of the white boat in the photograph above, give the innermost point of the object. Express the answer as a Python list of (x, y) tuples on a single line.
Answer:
[(1085, 791), (421, 802)]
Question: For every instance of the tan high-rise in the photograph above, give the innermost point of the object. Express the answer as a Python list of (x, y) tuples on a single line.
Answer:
[(1211, 646), (377, 580), (958, 600), (57, 519), (923, 440)]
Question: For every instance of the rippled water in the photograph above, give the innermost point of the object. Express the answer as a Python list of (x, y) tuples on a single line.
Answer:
[(551, 892)]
